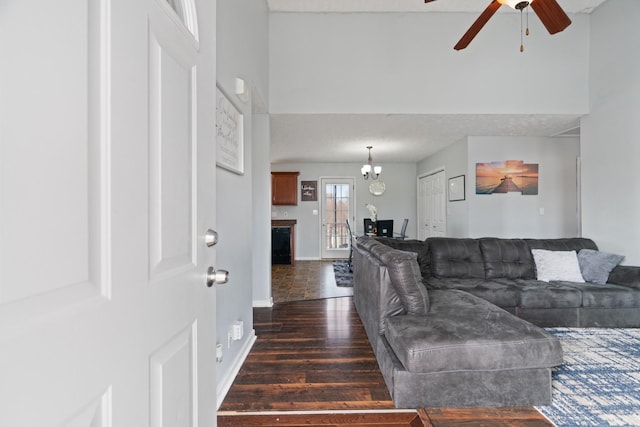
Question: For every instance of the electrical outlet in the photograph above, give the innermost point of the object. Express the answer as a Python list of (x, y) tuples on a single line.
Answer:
[(218, 353), (237, 330)]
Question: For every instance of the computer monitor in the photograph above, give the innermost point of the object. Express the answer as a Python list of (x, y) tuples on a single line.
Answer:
[(385, 227), (368, 226)]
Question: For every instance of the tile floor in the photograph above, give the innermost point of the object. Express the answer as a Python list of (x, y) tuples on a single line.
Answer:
[(305, 280)]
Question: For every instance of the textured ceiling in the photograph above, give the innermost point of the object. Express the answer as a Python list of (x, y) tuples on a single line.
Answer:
[(395, 137), (399, 137)]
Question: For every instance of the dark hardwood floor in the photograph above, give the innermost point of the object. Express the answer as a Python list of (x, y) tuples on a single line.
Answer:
[(312, 365), (306, 280)]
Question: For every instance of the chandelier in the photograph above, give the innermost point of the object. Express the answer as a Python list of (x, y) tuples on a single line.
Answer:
[(368, 169)]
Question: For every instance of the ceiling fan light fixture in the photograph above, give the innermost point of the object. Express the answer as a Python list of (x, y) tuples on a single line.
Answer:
[(515, 4)]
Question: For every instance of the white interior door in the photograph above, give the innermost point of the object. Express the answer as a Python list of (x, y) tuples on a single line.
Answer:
[(337, 204), (432, 206), (106, 179)]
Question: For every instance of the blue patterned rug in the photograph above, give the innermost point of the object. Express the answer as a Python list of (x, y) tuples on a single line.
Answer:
[(344, 277), (599, 382)]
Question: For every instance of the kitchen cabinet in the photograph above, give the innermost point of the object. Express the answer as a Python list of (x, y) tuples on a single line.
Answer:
[(284, 188)]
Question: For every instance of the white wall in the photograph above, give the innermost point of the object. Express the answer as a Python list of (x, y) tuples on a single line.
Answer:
[(242, 51), (405, 63), (512, 214), (454, 161), (611, 132), (261, 212), (398, 201), (516, 215)]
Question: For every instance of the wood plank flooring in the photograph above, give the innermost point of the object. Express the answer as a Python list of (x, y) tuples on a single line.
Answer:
[(306, 280), (309, 352), (312, 365)]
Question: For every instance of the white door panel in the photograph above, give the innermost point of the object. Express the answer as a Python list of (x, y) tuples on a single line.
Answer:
[(106, 177), (432, 214), (171, 149)]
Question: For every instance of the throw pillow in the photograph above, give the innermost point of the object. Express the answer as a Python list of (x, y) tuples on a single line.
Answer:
[(596, 266), (405, 276), (557, 265)]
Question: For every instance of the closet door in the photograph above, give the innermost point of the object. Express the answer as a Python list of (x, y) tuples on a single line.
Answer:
[(432, 206)]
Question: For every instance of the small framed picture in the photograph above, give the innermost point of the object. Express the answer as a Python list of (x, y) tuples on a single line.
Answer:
[(309, 191), (456, 188), (229, 135)]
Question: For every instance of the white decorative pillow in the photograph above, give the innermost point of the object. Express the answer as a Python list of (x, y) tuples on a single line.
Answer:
[(557, 265)]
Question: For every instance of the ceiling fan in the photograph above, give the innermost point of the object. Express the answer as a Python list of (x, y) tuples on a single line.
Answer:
[(549, 12)]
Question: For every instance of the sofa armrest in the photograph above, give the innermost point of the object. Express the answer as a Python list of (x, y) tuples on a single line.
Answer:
[(625, 275)]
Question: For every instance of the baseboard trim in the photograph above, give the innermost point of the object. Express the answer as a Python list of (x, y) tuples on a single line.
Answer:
[(225, 385), (320, 412), (263, 303)]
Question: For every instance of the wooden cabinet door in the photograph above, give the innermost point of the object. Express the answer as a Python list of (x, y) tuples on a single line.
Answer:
[(284, 188)]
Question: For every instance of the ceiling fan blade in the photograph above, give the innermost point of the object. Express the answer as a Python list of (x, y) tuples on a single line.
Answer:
[(551, 15), (477, 26)]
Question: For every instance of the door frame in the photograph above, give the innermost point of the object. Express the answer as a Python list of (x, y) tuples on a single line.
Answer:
[(321, 220)]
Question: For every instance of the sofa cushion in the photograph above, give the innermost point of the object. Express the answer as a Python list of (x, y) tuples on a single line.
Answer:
[(627, 275), (566, 244), (557, 265), (595, 295), (509, 258), (406, 279), (421, 247), (538, 294), (463, 333), (451, 257), (595, 266), (500, 292)]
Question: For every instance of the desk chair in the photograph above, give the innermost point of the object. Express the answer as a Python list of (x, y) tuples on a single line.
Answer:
[(385, 227), (350, 245), (403, 230)]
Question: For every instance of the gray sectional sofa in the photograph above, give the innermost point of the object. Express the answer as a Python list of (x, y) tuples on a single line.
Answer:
[(458, 322)]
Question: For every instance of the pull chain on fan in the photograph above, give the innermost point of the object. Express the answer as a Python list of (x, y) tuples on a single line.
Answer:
[(526, 32), (521, 6)]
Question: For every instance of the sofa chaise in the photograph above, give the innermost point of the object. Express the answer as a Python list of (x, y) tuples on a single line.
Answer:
[(458, 322)]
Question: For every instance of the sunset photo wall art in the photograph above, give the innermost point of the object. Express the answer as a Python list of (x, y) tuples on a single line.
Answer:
[(506, 177)]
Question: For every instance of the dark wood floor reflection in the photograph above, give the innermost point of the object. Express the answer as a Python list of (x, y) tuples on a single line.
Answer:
[(309, 352)]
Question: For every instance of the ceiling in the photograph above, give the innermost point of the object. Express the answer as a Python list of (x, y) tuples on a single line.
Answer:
[(569, 6), (399, 137)]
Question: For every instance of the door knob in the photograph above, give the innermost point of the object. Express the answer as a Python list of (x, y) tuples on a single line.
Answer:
[(217, 277)]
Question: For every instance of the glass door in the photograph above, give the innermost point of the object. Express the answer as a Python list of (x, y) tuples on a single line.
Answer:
[(338, 196)]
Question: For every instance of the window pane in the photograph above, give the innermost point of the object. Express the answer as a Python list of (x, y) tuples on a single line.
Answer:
[(337, 212)]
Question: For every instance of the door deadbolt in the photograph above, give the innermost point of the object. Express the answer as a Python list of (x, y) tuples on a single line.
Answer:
[(211, 238), (217, 277)]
